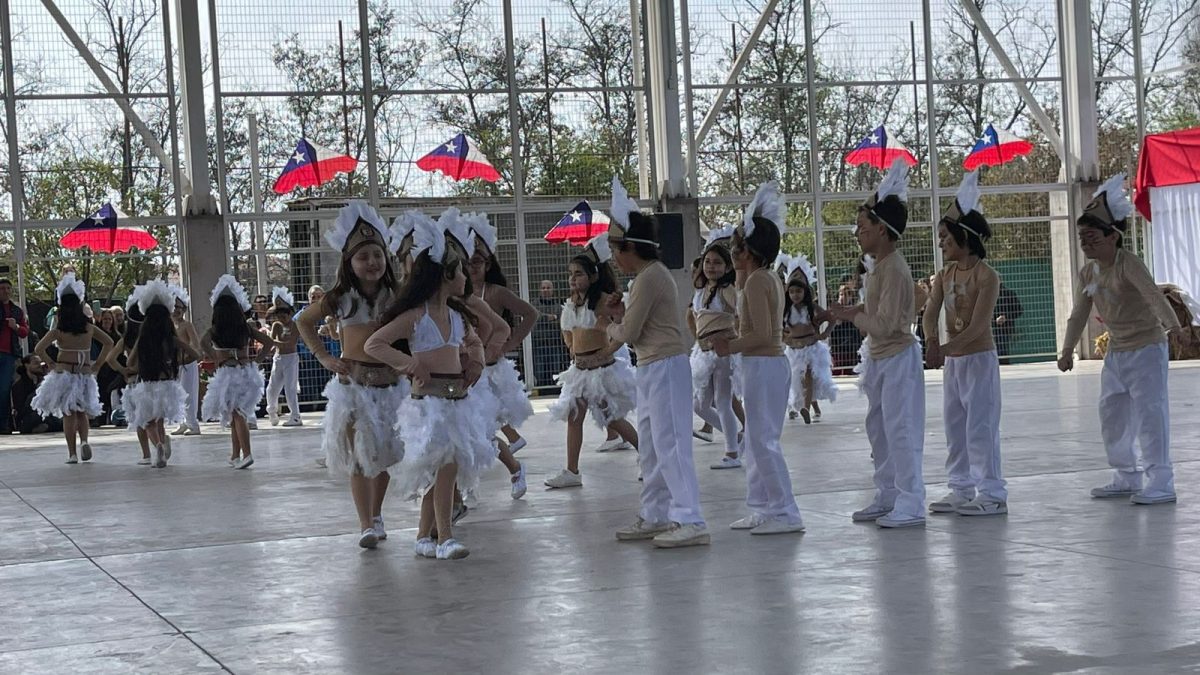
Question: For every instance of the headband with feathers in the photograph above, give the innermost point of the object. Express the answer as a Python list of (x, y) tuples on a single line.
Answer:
[(228, 285), (767, 203), (282, 293), (431, 237), (459, 226), (156, 292), (357, 224), (69, 284)]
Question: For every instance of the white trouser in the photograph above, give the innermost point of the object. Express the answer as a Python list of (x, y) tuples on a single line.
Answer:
[(715, 407), (766, 381), (285, 376), (189, 378), (1133, 404), (895, 389), (670, 491), (971, 411)]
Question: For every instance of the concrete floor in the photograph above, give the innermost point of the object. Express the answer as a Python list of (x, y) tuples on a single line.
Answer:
[(113, 567)]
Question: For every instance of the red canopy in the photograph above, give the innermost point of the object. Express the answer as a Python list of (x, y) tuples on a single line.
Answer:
[(1166, 159)]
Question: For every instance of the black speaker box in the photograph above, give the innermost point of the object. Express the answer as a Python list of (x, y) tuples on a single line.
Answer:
[(670, 239)]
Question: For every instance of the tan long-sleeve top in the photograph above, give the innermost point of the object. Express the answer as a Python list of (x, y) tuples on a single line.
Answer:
[(969, 297), (888, 314), (760, 316), (652, 325), (1129, 303)]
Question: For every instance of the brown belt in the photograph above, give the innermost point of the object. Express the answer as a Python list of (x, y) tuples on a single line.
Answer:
[(593, 360), (362, 373), (705, 341), (450, 386)]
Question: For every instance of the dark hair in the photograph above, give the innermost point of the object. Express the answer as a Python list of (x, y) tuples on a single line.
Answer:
[(1119, 226), (700, 281), (641, 226), (71, 318), (967, 240), (347, 281), (492, 273), (157, 353), (605, 281), (889, 211), (5, 280), (763, 244), (808, 302), (422, 284), (229, 329), (133, 327)]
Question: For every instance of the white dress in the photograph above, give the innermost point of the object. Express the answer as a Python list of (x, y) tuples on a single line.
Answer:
[(609, 392)]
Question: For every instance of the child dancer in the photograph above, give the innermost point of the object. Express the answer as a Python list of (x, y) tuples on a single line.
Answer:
[(967, 288), (445, 423), (765, 374), (892, 374), (70, 391), (236, 388), (118, 359), (358, 434), (158, 398), (713, 314), (1133, 384), (189, 373), (489, 283), (596, 381), (806, 349), (285, 365), (651, 323)]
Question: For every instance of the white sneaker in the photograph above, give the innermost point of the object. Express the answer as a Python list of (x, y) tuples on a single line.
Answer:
[(232, 461), (778, 526), (890, 521), (426, 548), (192, 431), (870, 513), (816, 416), (678, 536), (609, 446), (705, 436), (983, 507), (245, 462), (166, 448), (377, 525), (1146, 500), (748, 523), (183, 429), (949, 503), (518, 445), (72, 460), (642, 530), (1113, 490), (294, 423), (368, 538), (145, 461), (274, 417), (519, 486), (565, 479), (727, 462), (451, 550)]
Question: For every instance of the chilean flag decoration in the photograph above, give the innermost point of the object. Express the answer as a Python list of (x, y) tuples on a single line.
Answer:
[(995, 148), (880, 150), (459, 159), (312, 165), (578, 226), (101, 233)]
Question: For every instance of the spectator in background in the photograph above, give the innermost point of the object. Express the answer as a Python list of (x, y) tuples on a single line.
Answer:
[(30, 374), (14, 327), (549, 355), (1004, 323), (118, 313), (845, 338), (108, 379)]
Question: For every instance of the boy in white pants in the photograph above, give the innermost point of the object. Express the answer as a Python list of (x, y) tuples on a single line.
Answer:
[(189, 375), (285, 365), (892, 373), (1133, 383)]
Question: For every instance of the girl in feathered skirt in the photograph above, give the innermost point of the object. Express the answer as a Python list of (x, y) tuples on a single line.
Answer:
[(713, 313), (805, 347)]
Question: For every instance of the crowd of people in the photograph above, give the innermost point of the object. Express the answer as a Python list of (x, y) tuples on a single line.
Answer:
[(419, 322)]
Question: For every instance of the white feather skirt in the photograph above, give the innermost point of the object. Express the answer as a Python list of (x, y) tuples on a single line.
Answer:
[(233, 389), (61, 394), (438, 431), (610, 393), (358, 432), (145, 402), (704, 364), (864, 362), (513, 406), (818, 357)]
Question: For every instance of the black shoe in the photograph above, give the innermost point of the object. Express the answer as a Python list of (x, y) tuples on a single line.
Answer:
[(459, 512)]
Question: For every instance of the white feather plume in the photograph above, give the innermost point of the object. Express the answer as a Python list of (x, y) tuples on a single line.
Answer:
[(348, 218), (800, 262), (134, 296), (282, 293), (487, 234), (968, 193), (458, 225), (156, 292), (403, 226), (1113, 190), (599, 244), (622, 204), (717, 234), (431, 237), (767, 203), (69, 284), (781, 262), (228, 285), (181, 294), (895, 182)]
